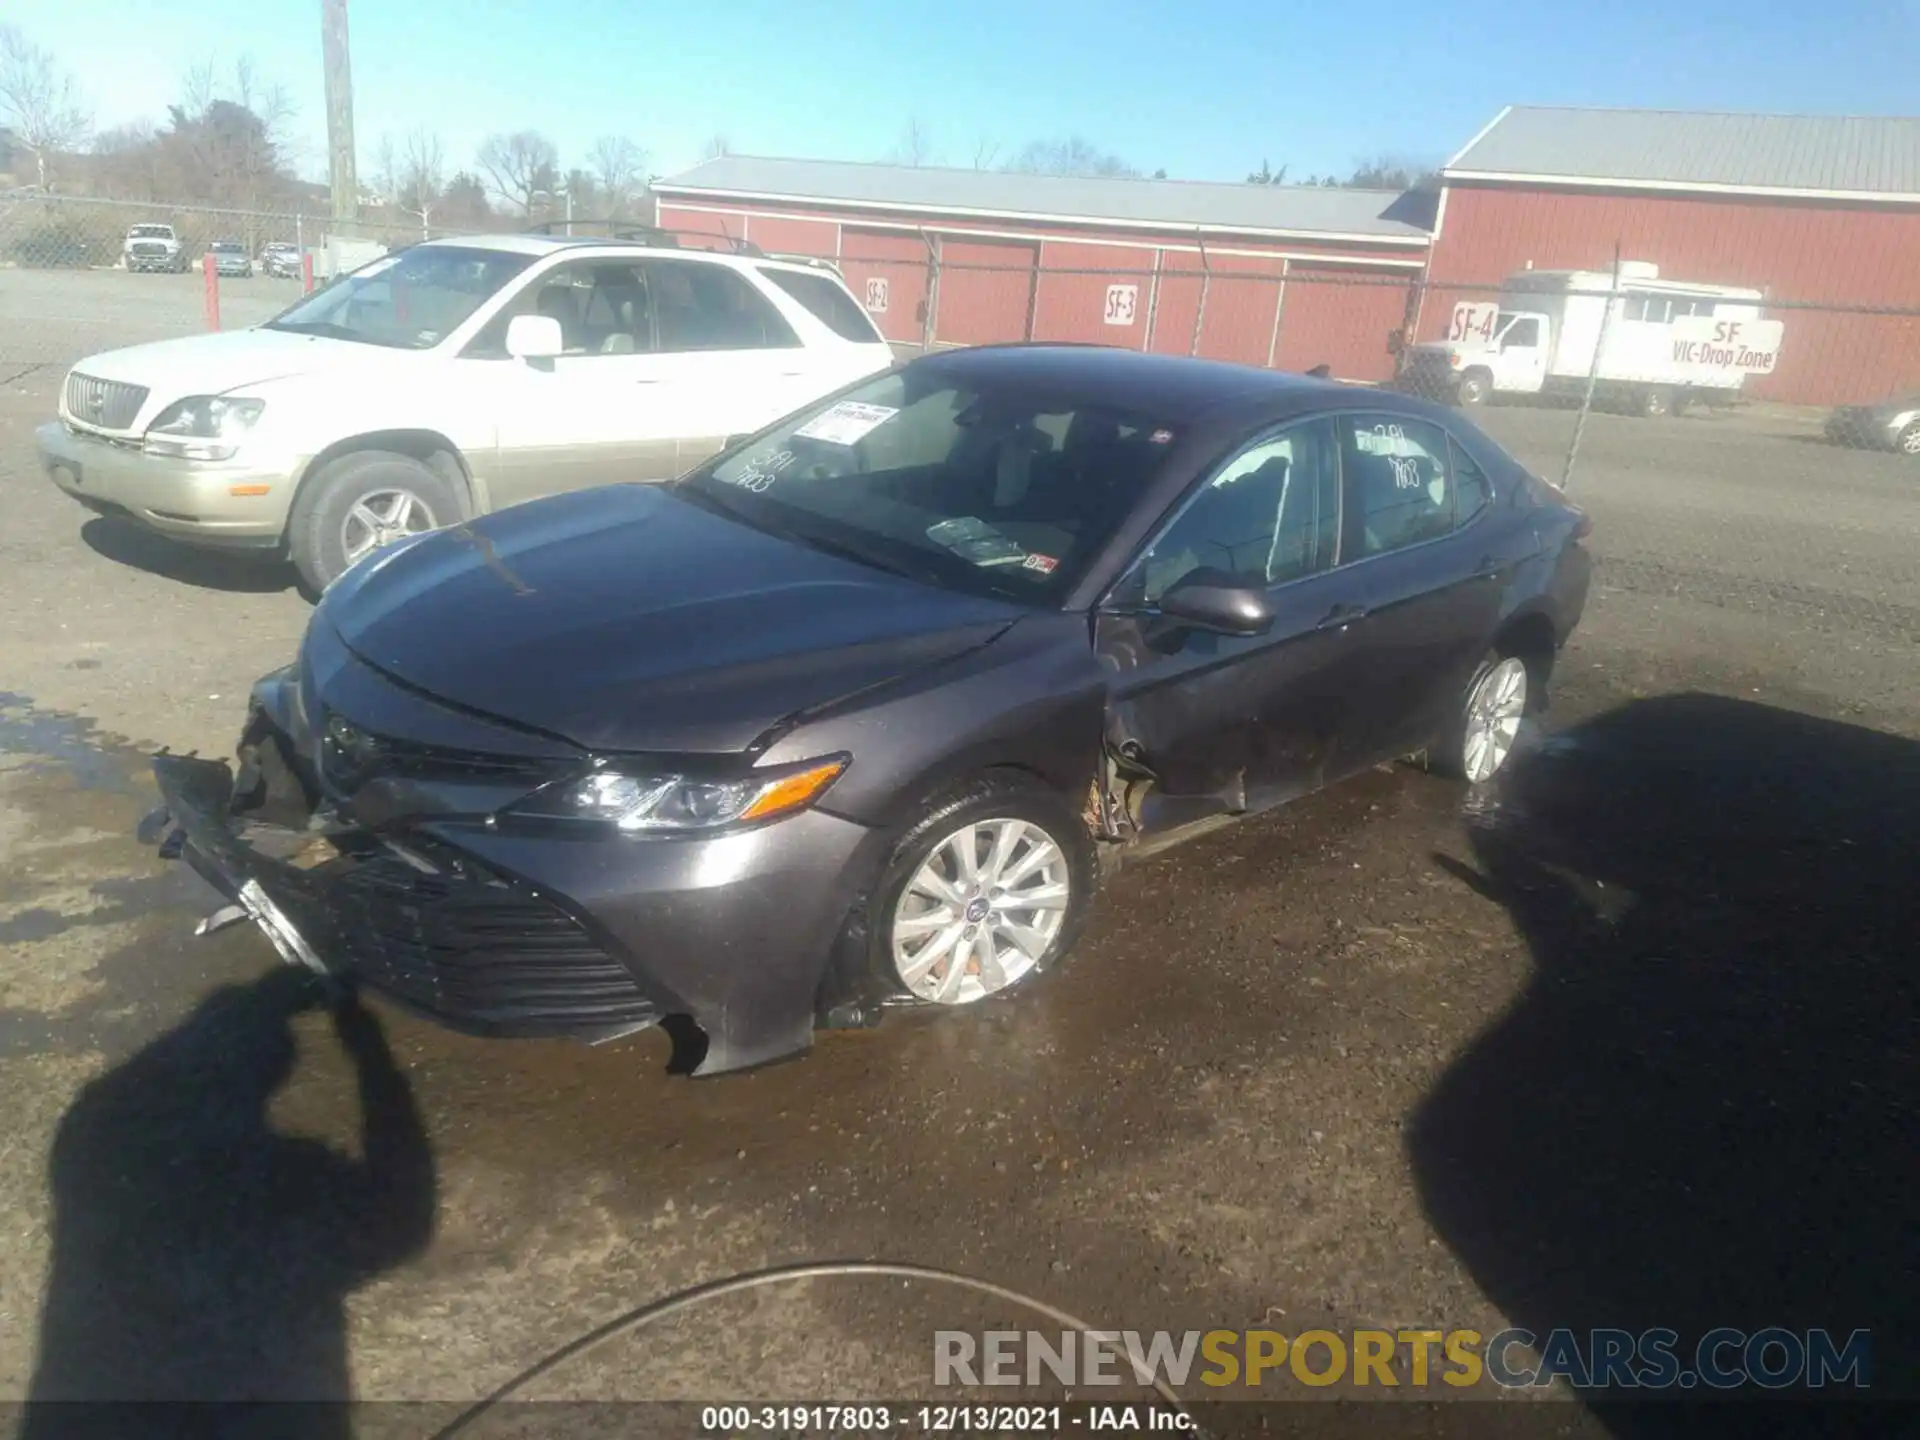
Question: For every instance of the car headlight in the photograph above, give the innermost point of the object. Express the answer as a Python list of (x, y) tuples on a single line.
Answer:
[(202, 427), (638, 803)]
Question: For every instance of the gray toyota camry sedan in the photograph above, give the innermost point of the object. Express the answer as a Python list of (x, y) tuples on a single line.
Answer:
[(859, 713)]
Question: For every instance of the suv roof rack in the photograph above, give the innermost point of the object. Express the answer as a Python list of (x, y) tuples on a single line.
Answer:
[(812, 262), (653, 235)]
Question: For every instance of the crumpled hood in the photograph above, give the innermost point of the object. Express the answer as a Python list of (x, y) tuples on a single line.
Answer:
[(229, 359), (627, 619)]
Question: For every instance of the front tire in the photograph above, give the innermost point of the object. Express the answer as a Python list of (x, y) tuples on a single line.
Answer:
[(987, 890), (1908, 441), (361, 503), (1475, 388)]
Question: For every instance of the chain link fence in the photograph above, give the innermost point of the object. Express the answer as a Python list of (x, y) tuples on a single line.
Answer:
[(60, 232)]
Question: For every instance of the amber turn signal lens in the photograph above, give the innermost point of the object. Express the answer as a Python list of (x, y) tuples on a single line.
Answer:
[(793, 791)]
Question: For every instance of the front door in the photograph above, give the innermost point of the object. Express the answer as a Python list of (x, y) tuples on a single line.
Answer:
[(609, 408), (1231, 723), (1433, 572), (1520, 355)]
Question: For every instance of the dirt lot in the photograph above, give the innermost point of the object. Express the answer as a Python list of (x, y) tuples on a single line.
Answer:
[(1631, 1043)]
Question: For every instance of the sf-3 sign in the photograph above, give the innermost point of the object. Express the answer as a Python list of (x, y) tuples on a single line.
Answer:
[(1121, 302)]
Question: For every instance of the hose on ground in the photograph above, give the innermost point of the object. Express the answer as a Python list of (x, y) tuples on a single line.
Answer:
[(686, 1299)]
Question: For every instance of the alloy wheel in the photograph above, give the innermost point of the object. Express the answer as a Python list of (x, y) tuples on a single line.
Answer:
[(980, 911), (1494, 711), (381, 517)]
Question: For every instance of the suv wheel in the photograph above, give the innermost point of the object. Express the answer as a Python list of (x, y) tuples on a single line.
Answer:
[(361, 503), (987, 890)]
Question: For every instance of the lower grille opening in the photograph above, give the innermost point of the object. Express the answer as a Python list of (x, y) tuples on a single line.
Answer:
[(464, 944)]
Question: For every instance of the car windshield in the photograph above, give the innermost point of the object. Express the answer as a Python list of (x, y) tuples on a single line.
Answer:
[(151, 232), (226, 247), (993, 491), (408, 301)]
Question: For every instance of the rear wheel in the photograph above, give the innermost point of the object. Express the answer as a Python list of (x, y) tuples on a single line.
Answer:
[(1478, 744), (1654, 401), (988, 890), (1908, 440), (361, 503)]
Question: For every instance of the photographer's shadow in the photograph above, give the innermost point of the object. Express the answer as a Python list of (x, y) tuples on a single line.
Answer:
[(1701, 1111), (199, 1255)]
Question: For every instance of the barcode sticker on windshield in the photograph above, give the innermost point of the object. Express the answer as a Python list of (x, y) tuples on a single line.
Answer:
[(845, 423)]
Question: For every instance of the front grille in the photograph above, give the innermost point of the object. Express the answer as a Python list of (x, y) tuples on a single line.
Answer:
[(351, 756), (109, 404), (463, 943)]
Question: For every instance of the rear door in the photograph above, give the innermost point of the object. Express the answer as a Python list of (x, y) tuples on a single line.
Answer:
[(736, 363), (1434, 573), (1229, 723)]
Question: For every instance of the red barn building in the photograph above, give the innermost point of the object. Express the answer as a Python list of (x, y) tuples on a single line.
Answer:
[(1821, 214), (1284, 276)]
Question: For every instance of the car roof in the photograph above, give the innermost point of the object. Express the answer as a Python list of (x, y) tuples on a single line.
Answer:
[(1167, 387)]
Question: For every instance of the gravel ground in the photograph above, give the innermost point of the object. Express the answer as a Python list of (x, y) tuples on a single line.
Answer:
[(1629, 1043)]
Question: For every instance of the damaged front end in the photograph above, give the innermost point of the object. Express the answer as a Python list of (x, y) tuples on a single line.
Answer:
[(404, 913)]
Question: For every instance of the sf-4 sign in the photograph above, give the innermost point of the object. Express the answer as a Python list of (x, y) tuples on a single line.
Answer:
[(1121, 300), (1473, 323)]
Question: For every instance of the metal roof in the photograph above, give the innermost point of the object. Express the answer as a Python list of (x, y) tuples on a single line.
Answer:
[(1810, 155), (1188, 205)]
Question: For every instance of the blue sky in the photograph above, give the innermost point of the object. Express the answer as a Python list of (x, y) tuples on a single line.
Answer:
[(1204, 88)]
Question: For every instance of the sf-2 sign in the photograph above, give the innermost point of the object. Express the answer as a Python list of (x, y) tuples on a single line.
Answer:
[(1121, 300), (877, 294), (1473, 324)]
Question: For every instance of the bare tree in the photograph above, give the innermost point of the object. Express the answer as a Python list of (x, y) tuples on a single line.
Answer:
[(915, 146), (619, 168), (412, 176), (718, 147), (985, 152), (520, 167), (1075, 155), (38, 101), (231, 133)]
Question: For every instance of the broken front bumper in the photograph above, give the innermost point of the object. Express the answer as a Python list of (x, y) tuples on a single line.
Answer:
[(420, 922)]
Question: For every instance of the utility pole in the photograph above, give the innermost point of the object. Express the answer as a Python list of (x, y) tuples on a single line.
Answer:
[(346, 186)]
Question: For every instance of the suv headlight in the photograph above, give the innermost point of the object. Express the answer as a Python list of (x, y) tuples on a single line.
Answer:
[(202, 427), (641, 803)]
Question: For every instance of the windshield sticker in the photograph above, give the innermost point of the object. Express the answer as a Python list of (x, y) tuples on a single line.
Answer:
[(758, 472), (846, 423), (976, 541), (1160, 437), (1043, 563)]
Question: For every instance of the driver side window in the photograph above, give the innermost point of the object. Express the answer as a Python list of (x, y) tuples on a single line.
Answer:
[(1271, 514)]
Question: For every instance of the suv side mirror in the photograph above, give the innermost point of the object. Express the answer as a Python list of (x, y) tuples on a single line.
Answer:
[(534, 337), (1227, 609)]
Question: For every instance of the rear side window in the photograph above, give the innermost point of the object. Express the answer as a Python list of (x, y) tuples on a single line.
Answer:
[(699, 306), (828, 302), (1404, 483)]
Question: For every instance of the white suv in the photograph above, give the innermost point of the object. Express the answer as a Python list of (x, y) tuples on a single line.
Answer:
[(448, 380)]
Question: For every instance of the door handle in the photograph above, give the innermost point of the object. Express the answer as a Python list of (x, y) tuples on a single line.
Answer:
[(1341, 616), (1489, 568)]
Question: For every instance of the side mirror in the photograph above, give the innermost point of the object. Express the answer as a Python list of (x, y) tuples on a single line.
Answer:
[(1228, 609), (534, 337)]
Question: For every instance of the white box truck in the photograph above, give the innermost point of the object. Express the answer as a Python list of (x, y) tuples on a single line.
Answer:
[(1666, 342)]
